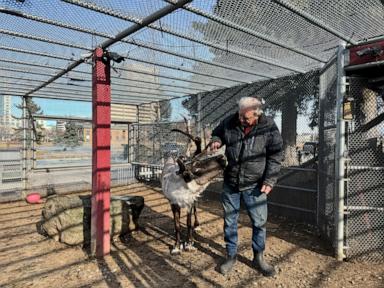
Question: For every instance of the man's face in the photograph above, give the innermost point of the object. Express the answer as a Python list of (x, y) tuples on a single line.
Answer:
[(247, 117)]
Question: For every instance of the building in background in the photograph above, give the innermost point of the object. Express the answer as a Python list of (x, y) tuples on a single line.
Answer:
[(148, 112), (60, 125), (8, 123), (5, 110), (119, 134), (6, 117), (123, 113)]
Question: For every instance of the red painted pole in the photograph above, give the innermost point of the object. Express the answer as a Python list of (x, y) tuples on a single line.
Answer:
[(101, 155)]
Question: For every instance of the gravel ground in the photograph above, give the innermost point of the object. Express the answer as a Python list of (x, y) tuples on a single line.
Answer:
[(142, 259)]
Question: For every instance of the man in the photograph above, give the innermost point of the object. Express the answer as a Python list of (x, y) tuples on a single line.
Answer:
[(253, 147)]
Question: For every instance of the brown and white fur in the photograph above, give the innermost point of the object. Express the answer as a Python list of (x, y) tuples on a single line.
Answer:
[(183, 182)]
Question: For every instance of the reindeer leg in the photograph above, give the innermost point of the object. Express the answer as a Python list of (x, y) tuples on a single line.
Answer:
[(196, 225), (176, 217), (189, 243)]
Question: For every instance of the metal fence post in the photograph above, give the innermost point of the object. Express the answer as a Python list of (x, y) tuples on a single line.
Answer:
[(33, 142), (137, 156), (24, 149), (101, 154), (340, 153), (198, 117), (128, 142)]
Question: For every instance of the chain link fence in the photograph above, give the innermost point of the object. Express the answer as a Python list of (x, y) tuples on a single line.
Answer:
[(142, 137), (327, 143), (68, 142), (364, 198), (152, 138), (57, 152), (11, 145), (293, 103)]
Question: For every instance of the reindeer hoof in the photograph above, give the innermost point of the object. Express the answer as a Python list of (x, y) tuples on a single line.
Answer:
[(176, 250), (189, 247)]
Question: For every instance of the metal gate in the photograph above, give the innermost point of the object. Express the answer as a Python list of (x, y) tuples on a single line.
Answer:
[(351, 164), (327, 141), (364, 203)]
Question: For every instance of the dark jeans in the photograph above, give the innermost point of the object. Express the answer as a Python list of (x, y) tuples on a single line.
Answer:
[(256, 205)]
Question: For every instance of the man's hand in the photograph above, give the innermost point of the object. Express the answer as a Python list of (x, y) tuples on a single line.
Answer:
[(215, 146), (266, 189)]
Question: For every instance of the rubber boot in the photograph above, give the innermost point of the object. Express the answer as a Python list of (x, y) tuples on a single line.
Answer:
[(228, 264), (260, 264)]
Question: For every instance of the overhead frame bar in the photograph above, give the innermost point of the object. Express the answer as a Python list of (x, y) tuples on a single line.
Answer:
[(114, 84), (248, 31), (100, 34), (115, 101), (73, 87), (80, 119), (22, 35), (145, 22), (115, 95), (138, 72), (110, 12)]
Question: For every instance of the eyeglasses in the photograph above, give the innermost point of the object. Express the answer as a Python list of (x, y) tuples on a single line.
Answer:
[(243, 118)]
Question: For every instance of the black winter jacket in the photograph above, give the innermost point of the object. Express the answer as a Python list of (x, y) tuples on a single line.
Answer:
[(253, 159)]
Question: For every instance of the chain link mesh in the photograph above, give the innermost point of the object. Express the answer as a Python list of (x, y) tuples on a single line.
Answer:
[(207, 45), (213, 51), (365, 198), (327, 143), (291, 100), (58, 146), (153, 140), (11, 139)]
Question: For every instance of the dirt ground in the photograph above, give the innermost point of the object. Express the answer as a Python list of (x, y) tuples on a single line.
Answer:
[(142, 259)]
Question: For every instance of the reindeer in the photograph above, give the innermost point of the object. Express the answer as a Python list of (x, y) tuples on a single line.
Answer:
[(183, 181)]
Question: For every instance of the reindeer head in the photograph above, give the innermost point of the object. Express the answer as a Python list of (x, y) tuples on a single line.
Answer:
[(205, 168)]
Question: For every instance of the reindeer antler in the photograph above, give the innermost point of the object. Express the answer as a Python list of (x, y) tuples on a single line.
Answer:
[(196, 140)]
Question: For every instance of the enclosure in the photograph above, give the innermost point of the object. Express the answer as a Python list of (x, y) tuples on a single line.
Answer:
[(90, 91)]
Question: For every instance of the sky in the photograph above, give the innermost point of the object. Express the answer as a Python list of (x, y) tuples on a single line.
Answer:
[(162, 40), (70, 108), (65, 107), (53, 107), (83, 109)]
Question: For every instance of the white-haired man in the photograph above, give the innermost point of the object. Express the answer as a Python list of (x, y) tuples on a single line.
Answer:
[(253, 147)]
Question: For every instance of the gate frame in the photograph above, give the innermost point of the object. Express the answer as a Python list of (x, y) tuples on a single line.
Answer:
[(340, 159)]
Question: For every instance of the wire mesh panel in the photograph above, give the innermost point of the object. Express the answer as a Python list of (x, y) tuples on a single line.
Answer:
[(64, 144), (61, 152), (327, 142), (291, 100), (68, 142), (365, 197), (153, 137), (65, 133), (11, 145), (203, 46)]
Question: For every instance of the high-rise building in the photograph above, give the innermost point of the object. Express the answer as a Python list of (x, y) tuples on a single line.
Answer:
[(7, 122), (148, 112), (6, 115), (5, 111)]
